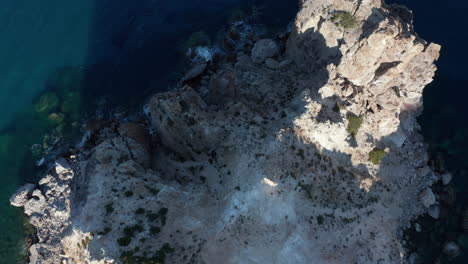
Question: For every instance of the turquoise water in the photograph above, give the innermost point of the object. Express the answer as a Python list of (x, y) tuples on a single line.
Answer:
[(37, 40), (60, 61)]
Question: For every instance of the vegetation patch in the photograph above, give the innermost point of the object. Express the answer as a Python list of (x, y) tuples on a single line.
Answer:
[(354, 123), (159, 256), (109, 208), (320, 219), (129, 233), (85, 241), (161, 214), (105, 231), (152, 190), (155, 230), (376, 156), (344, 19)]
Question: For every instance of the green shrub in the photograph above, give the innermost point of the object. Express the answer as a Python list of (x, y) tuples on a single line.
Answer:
[(124, 241), (161, 214), (376, 156), (354, 123), (155, 230), (85, 242), (159, 257), (109, 208), (344, 19), (129, 232)]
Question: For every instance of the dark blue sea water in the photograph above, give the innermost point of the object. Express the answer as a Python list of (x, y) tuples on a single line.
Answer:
[(62, 60), (444, 121)]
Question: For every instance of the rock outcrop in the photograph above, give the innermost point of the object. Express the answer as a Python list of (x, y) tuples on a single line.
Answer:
[(313, 156)]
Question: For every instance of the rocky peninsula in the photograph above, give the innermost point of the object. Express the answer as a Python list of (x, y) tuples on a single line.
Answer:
[(303, 148)]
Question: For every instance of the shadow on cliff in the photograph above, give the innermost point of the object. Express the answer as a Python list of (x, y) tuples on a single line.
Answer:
[(328, 177)]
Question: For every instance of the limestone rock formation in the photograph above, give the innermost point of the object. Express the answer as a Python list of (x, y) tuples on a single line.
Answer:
[(22, 195), (316, 158)]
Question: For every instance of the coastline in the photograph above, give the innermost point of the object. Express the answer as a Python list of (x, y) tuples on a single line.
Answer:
[(395, 138)]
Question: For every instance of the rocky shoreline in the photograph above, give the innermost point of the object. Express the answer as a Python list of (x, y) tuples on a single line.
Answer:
[(303, 148)]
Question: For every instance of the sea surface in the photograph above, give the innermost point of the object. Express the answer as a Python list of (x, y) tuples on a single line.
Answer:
[(64, 61)]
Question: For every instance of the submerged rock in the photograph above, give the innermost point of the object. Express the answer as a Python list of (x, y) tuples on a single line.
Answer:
[(46, 103)]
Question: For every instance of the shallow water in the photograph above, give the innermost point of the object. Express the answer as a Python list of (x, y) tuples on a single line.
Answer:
[(65, 60)]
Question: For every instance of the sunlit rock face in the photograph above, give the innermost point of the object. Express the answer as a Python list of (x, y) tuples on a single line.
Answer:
[(318, 160)]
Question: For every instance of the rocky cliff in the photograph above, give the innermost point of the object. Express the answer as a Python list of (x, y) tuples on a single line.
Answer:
[(299, 149)]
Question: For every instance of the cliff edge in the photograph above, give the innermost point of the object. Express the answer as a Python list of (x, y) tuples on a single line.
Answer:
[(303, 148)]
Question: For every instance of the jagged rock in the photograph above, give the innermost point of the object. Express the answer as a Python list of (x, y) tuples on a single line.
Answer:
[(36, 204), (22, 195), (263, 49)]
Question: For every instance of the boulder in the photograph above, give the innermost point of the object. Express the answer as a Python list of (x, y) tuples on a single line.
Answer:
[(36, 203), (22, 195), (427, 198), (263, 49)]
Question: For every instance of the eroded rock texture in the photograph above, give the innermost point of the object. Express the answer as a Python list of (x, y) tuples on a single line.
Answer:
[(311, 157)]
